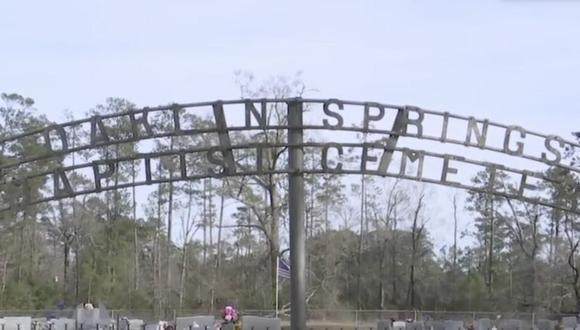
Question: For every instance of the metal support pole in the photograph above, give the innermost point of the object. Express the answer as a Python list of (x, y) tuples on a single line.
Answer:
[(296, 214)]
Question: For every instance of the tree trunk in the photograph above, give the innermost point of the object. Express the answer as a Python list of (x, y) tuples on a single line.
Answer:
[(182, 277), (274, 242), (77, 269), (533, 255), (158, 304), (381, 291), (21, 248), (33, 241), (66, 251), (415, 237), (394, 273), (217, 276), (135, 234), (454, 234), (168, 243), (491, 246), (169, 230), (205, 216), (360, 243), (64, 231), (4, 275), (454, 268), (210, 218)]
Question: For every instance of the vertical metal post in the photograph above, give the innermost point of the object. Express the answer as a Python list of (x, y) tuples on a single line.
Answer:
[(296, 214)]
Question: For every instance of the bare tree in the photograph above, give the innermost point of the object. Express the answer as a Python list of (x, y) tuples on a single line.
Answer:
[(417, 230)]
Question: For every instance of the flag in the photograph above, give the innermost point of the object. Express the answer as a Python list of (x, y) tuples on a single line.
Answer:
[(283, 268)]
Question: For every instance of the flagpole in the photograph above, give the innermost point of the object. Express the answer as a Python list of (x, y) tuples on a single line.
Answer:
[(277, 281)]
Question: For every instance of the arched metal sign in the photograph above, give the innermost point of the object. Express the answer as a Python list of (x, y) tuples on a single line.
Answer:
[(381, 156)]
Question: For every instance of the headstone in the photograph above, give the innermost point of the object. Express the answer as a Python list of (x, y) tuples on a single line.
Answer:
[(453, 325), (229, 326), (39, 323), (90, 318), (419, 325), (546, 324), (399, 325), (63, 324), (483, 324), (40, 320), (104, 317), (151, 326), (87, 318), (260, 323), (196, 322), (509, 324), (438, 325), (17, 323), (131, 324), (384, 325), (569, 322)]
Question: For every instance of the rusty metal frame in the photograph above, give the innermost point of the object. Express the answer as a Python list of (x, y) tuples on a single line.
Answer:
[(60, 173), (222, 157), (96, 122)]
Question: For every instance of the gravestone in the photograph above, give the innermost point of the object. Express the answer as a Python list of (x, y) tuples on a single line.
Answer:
[(90, 319), (438, 325), (250, 322), (39, 323), (384, 325), (87, 318), (546, 324), (17, 323), (399, 325), (569, 322), (131, 324), (199, 322), (419, 325), (509, 324), (228, 326), (63, 324), (483, 324), (151, 326), (453, 325)]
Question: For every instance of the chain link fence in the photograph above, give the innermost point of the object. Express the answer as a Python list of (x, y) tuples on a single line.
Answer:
[(345, 317), (353, 317)]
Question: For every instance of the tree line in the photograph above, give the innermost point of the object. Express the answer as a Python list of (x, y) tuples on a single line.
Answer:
[(368, 242)]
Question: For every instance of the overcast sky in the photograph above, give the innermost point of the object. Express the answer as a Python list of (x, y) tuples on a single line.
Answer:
[(513, 61)]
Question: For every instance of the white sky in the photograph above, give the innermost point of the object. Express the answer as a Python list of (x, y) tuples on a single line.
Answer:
[(514, 62)]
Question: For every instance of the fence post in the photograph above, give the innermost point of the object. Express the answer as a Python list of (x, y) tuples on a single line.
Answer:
[(356, 317), (533, 319)]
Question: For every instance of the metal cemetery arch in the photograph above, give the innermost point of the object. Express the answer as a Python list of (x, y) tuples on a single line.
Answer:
[(408, 122)]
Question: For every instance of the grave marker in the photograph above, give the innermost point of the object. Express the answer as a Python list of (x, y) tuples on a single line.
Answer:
[(250, 322)]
